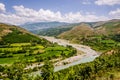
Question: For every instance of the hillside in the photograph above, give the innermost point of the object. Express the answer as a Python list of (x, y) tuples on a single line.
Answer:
[(105, 67), (110, 27), (16, 40), (78, 32), (55, 31), (103, 33), (57, 28), (15, 34), (42, 25), (102, 27)]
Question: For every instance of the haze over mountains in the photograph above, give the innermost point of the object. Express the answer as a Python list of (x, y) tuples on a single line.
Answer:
[(85, 32), (42, 25), (56, 28), (102, 27)]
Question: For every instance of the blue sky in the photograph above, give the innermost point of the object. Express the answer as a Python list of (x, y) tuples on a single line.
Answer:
[(78, 10)]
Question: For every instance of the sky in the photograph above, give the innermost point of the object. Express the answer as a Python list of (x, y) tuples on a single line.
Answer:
[(71, 11)]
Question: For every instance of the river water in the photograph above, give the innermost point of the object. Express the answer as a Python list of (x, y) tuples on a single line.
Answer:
[(89, 55)]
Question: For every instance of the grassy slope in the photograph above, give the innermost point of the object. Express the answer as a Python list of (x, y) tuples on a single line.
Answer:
[(78, 32), (106, 35), (18, 45), (90, 29), (15, 34)]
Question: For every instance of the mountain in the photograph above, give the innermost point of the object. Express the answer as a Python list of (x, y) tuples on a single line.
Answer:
[(110, 27), (90, 29), (55, 30), (15, 34), (82, 30), (106, 34), (42, 25)]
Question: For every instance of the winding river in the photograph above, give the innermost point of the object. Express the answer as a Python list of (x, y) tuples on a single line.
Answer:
[(88, 56)]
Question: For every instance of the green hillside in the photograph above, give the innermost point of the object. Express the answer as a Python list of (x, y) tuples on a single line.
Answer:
[(13, 34), (106, 35), (17, 44), (20, 48), (105, 67)]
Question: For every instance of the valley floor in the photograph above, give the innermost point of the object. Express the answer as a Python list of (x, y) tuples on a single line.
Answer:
[(87, 55)]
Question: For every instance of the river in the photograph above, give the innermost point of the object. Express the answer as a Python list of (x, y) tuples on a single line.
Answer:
[(88, 56)]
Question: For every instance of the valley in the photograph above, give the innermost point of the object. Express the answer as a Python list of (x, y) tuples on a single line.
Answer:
[(59, 39), (85, 51), (87, 54), (79, 49)]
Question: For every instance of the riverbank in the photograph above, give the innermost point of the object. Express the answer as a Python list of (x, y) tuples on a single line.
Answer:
[(87, 55)]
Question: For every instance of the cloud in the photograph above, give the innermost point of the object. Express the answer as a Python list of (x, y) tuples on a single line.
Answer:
[(12, 19), (41, 15), (85, 2), (23, 15), (78, 17), (107, 2), (115, 13), (2, 7)]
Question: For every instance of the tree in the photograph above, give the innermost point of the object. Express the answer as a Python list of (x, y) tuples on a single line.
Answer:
[(15, 71), (2, 68), (47, 71)]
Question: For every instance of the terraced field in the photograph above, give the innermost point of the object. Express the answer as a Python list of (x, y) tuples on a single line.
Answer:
[(27, 52)]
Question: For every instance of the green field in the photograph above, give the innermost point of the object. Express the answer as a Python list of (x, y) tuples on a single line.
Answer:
[(26, 52)]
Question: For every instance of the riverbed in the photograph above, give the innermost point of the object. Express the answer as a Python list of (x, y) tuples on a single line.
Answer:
[(88, 56)]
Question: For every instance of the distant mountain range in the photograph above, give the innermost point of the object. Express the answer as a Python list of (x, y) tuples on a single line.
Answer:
[(42, 25), (57, 28)]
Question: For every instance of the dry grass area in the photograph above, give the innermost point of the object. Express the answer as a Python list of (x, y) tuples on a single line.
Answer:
[(83, 30)]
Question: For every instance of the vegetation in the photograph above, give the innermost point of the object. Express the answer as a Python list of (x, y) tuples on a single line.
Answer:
[(28, 52), (55, 31), (11, 37), (102, 68), (18, 45), (19, 49), (42, 25), (107, 66), (17, 54), (52, 31), (105, 35), (13, 34)]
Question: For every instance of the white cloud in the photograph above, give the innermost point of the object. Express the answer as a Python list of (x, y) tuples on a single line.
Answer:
[(41, 15), (2, 7), (107, 2), (23, 15), (86, 2), (115, 13), (12, 19)]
